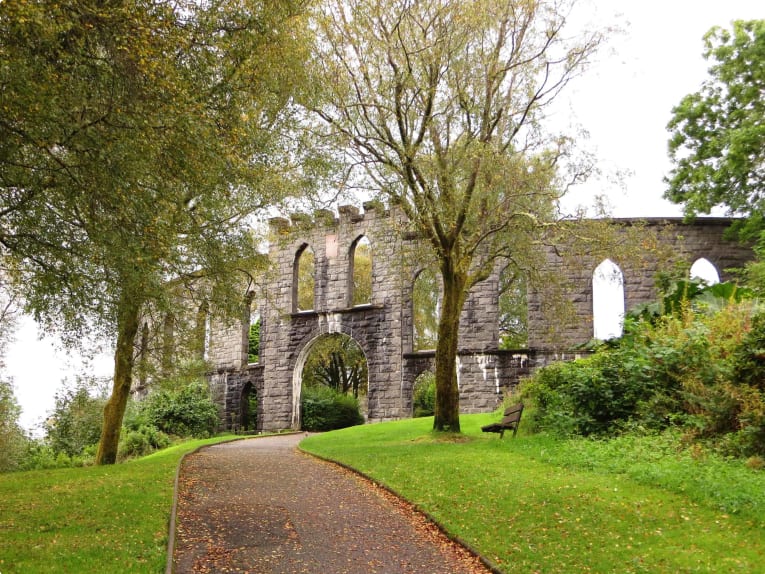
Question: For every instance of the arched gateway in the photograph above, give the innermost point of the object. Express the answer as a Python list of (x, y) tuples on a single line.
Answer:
[(383, 326)]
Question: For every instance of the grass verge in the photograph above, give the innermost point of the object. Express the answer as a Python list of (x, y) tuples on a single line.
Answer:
[(95, 519), (536, 504)]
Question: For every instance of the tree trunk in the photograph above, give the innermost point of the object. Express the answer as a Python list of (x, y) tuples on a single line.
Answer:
[(447, 408), (127, 328)]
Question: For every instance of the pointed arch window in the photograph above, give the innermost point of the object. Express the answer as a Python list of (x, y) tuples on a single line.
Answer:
[(607, 300), (360, 272), (303, 280), (513, 309), (426, 309), (705, 270)]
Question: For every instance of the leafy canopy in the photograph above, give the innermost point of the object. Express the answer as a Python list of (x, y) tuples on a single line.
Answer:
[(718, 133), (437, 106)]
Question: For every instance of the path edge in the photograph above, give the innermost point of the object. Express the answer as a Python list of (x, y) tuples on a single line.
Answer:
[(173, 510), (415, 508)]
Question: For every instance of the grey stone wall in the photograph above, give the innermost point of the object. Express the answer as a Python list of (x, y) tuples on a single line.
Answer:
[(678, 243), (383, 328)]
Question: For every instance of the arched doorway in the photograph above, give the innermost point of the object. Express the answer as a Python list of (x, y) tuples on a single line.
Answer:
[(331, 370), (248, 409)]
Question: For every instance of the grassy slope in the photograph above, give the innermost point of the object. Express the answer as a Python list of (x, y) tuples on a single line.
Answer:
[(97, 519), (531, 505)]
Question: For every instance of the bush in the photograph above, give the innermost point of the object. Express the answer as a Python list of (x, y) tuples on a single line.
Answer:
[(424, 399), (189, 411), (75, 423), (587, 396), (39, 455), (324, 409), (142, 441), (13, 441), (701, 370)]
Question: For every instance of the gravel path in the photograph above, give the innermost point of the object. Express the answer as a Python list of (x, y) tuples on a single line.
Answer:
[(261, 506)]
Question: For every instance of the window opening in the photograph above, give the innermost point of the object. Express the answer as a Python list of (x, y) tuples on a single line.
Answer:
[(607, 300)]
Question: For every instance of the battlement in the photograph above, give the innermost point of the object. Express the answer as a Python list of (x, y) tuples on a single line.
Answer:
[(326, 218)]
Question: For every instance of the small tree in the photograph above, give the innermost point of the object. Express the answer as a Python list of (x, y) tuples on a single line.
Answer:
[(77, 418)]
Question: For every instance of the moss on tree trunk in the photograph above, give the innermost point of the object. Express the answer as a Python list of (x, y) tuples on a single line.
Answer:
[(447, 408), (114, 411)]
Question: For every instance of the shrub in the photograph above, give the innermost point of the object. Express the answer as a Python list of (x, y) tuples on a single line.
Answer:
[(76, 419), (323, 409), (12, 438), (588, 396), (424, 399), (189, 411), (142, 441), (703, 370)]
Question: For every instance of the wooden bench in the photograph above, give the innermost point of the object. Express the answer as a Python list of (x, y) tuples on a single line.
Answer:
[(509, 421)]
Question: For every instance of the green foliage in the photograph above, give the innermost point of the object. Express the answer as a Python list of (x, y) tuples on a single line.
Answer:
[(681, 294), (424, 396), (253, 343), (718, 133), (589, 396), (336, 361), (13, 441), (142, 441), (698, 369), (323, 409), (132, 153), (513, 310), (76, 420), (185, 412), (426, 302), (39, 455)]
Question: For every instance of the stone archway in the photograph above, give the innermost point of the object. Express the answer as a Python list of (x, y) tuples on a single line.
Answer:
[(300, 366), (248, 410)]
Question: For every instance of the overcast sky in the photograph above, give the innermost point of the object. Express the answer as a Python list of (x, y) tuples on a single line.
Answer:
[(624, 102)]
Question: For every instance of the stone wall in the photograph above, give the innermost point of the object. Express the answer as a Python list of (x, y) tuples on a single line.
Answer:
[(383, 328), (669, 242)]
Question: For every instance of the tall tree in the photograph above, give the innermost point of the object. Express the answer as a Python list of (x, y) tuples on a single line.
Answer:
[(136, 137), (717, 140), (438, 103)]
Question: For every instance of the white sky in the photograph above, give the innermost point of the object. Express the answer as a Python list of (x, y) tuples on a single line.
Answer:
[(624, 102)]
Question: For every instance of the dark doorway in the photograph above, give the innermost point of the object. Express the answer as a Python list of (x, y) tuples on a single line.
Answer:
[(248, 409)]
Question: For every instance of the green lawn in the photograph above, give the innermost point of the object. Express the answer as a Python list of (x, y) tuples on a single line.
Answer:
[(535, 504), (107, 519)]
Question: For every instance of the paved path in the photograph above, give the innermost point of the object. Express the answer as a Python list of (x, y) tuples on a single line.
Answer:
[(261, 506)]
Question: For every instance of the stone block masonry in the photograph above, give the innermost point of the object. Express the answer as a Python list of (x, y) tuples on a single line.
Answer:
[(383, 326)]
